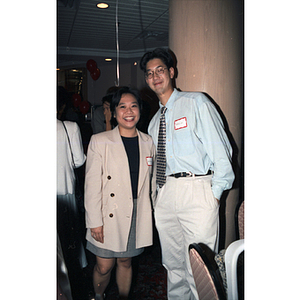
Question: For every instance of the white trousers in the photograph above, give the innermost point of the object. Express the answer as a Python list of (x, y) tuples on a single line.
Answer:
[(185, 212)]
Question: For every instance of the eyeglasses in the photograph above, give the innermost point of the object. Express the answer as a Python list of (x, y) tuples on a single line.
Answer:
[(159, 71)]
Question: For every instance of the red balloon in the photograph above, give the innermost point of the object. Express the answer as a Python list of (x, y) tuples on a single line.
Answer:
[(84, 107), (91, 65), (76, 100), (95, 74)]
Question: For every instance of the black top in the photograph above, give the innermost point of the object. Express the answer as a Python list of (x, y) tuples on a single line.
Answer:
[(132, 149)]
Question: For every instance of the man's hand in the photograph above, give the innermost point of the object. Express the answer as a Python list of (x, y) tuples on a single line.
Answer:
[(97, 234), (106, 111), (107, 115)]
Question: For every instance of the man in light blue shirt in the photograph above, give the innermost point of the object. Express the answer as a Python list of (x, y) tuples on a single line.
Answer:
[(198, 170)]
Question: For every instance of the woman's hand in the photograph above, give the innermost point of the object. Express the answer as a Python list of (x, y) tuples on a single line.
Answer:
[(97, 234)]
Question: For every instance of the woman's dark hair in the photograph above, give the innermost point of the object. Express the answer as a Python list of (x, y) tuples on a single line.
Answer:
[(118, 95), (160, 53)]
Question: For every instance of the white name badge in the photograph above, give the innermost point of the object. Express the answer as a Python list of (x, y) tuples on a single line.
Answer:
[(149, 161), (180, 123)]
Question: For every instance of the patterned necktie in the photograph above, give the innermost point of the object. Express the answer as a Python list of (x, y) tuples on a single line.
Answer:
[(161, 150)]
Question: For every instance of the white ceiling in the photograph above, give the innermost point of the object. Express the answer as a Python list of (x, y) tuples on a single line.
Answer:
[(85, 31)]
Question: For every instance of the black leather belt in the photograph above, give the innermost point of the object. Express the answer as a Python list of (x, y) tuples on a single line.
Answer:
[(189, 174)]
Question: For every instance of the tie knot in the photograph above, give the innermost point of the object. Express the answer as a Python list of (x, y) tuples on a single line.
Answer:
[(163, 110)]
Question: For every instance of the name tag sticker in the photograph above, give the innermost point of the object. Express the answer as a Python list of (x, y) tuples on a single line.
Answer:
[(149, 161), (180, 123)]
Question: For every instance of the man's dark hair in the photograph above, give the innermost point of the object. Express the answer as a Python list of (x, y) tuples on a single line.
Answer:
[(107, 98), (160, 53)]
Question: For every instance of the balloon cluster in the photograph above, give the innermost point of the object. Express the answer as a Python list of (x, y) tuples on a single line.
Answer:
[(84, 106), (91, 65)]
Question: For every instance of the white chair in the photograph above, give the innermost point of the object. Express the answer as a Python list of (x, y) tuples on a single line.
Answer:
[(232, 254), (231, 258)]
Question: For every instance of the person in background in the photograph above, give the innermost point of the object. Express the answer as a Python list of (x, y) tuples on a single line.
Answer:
[(106, 110), (102, 120), (198, 170), (117, 194), (68, 215), (98, 120)]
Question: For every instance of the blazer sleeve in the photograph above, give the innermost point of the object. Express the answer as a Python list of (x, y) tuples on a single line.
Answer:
[(93, 185)]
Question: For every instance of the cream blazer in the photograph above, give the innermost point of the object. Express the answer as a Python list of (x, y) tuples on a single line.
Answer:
[(108, 194)]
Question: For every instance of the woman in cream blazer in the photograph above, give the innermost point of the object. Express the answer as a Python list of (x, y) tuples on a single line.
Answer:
[(109, 199)]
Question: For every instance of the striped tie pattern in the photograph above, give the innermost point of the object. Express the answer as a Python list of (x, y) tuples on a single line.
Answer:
[(161, 150)]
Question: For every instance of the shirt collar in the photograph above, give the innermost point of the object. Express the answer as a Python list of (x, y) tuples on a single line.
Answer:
[(171, 100)]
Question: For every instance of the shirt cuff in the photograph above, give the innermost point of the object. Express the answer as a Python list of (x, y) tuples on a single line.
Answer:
[(217, 191)]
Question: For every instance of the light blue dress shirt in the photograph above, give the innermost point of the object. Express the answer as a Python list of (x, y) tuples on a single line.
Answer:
[(196, 140)]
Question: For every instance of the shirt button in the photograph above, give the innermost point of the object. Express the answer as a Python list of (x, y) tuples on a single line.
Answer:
[(112, 194), (109, 177), (111, 215)]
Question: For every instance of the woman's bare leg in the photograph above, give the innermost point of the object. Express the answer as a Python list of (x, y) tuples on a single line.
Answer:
[(102, 272), (124, 276)]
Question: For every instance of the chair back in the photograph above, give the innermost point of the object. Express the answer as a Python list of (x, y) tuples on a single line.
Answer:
[(205, 271)]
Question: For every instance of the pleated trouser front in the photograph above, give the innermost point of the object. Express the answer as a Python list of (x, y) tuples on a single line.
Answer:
[(185, 212)]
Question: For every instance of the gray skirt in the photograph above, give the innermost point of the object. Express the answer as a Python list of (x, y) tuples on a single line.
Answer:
[(131, 248)]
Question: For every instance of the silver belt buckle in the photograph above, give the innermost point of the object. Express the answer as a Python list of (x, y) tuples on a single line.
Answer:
[(190, 174)]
